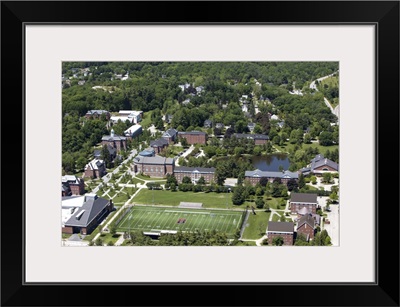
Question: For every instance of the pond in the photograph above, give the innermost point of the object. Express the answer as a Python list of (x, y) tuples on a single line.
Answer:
[(271, 162)]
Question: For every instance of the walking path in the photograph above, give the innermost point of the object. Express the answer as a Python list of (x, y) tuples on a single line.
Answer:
[(314, 87)]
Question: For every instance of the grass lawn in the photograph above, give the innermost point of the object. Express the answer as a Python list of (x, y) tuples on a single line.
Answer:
[(321, 149), (136, 180), (121, 197), (146, 120), (107, 237), (274, 202), (139, 176), (156, 219), (168, 198), (246, 243), (257, 225)]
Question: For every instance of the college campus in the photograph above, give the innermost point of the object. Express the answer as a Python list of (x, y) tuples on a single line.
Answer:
[(200, 154)]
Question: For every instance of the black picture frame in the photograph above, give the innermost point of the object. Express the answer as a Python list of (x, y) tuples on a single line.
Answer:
[(383, 14)]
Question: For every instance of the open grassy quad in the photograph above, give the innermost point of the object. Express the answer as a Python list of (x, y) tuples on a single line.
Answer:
[(168, 198), (256, 225), (322, 149), (156, 219)]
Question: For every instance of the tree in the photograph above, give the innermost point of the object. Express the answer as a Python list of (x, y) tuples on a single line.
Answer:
[(238, 196), (105, 156), (307, 138), (277, 241), (201, 180), (301, 183), (113, 230), (184, 142), (282, 218), (334, 197), (259, 203), (266, 207), (326, 177), (186, 180), (292, 185), (98, 242), (325, 138)]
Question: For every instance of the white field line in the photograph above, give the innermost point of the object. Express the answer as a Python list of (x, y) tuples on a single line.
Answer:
[(187, 212), (204, 220), (159, 213), (167, 221), (125, 218), (138, 220)]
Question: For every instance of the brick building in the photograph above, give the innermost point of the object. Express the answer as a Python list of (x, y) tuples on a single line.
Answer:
[(158, 145), (281, 229), (255, 176), (299, 201), (116, 141), (320, 165), (86, 214), (111, 150), (259, 139), (96, 114), (170, 135), (306, 226), (156, 166), (95, 169), (194, 137), (72, 185), (304, 211), (194, 173)]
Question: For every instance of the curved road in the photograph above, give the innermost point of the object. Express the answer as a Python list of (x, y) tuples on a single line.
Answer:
[(314, 87)]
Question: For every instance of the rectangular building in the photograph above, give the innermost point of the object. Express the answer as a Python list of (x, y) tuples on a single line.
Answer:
[(194, 173), (194, 137), (156, 166)]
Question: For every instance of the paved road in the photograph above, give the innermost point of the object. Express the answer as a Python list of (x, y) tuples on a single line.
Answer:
[(333, 227), (314, 87)]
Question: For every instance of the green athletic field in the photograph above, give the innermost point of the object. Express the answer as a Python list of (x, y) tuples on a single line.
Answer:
[(156, 219)]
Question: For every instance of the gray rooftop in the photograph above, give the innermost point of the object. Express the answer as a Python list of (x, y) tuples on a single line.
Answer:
[(281, 226), (110, 138), (193, 132), (159, 142), (304, 198), (170, 133), (284, 175), (251, 136), (306, 219), (153, 160), (91, 209), (320, 160), (194, 169)]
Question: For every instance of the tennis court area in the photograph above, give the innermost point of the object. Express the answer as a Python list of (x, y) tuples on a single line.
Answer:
[(157, 219)]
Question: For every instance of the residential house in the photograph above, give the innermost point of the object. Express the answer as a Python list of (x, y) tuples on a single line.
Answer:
[(207, 123), (285, 230), (95, 169), (259, 139), (194, 137), (72, 185), (304, 211), (255, 176), (251, 126), (156, 166), (97, 114), (306, 226), (88, 213), (219, 126), (303, 200), (170, 135), (186, 102), (168, 118), (116, 141), (158, 145), (194, 173)]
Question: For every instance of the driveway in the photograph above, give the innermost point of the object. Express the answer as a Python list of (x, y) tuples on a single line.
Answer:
[(333, 227)]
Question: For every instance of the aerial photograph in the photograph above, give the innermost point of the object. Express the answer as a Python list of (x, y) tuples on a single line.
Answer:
[(200, 153)]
